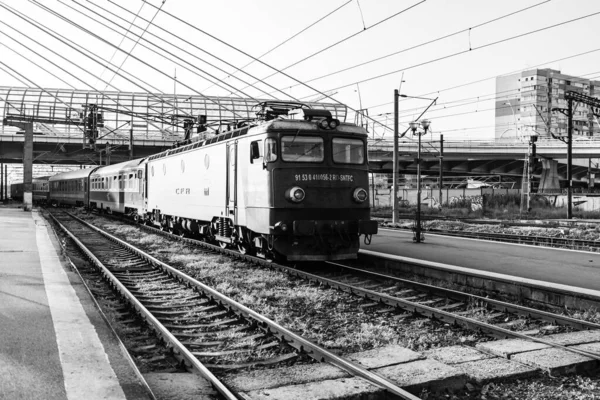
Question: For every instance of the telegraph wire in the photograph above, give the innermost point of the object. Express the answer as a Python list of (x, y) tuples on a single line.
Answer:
[(287, 40), (464, 51), (343, 40), (424, 43)]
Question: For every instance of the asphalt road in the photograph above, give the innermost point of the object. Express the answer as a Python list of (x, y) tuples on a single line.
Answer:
[(567, 267)]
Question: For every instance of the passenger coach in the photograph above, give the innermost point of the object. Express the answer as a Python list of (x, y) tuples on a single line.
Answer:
[(70, 188)]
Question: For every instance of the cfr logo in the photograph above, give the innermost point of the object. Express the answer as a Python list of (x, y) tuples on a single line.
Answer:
[(182, 191)]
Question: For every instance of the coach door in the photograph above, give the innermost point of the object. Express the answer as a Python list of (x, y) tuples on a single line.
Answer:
[(231, 205)]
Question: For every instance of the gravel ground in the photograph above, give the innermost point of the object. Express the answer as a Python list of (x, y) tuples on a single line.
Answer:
[(333, 319)]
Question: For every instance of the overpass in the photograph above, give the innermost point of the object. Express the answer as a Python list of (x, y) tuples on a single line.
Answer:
[(487, 158)]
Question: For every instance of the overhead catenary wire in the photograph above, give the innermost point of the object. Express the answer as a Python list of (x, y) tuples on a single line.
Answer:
[(63, 40), (495, 76), (259, 61), (136, 58), (122, 40), (232, 88), (465, 51), (287, 40), (424, 43), (135, 44), (36, 64), (98, 37), (344, 40)]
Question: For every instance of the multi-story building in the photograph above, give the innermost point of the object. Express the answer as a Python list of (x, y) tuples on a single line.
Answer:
[(525, 100)]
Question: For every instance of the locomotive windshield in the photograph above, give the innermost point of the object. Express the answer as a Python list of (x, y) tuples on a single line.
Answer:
[(302, 148), (348, 151)]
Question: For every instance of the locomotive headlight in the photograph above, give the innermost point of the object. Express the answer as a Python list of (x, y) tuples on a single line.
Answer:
[(333, 123), (360, 195), (324, 124), (295, 194)]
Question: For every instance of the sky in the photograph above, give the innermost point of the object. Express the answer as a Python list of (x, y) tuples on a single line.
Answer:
[(471, 42)]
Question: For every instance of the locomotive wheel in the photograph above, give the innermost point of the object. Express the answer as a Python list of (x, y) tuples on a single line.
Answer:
[(244, 248)]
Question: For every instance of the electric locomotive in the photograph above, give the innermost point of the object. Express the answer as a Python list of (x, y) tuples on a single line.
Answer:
[(294, 189)]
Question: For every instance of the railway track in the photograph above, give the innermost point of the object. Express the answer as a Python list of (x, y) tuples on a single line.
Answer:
[(562, 243), (401, 298), (207, 331)]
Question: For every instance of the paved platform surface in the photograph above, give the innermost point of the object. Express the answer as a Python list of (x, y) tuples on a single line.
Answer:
[(54, 344), (567, 267)]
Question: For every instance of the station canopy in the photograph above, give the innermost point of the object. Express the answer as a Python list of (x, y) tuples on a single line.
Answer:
[(56, 105)]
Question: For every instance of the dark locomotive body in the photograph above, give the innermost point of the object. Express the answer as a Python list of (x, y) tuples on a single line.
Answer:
[(284, 188)]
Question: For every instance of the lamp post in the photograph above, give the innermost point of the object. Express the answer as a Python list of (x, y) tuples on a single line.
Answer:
[(395, 150), (413, 126)]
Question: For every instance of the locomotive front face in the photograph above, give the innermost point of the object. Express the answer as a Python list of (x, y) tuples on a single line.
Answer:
[(319, 192)]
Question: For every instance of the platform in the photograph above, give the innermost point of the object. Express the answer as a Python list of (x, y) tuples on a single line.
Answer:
[(54, 343)]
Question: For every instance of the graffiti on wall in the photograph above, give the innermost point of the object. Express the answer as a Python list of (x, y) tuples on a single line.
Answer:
[(475, 202)]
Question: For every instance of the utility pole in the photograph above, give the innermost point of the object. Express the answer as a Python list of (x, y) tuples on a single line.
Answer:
[(395, 162), (441, 165), (131, 142), (569, 157), (107, 153), (1, 181)]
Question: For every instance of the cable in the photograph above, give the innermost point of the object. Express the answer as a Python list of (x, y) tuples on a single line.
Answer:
[(121, 42), (465, 51), (136, 58), (34, 63), (343, 40), (135, 44), (110, 44), (166, 51), (254, 58), (425, 43), (287, 40)]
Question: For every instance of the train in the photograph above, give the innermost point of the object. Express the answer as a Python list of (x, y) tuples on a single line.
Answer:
[(39, 189), (293, 187)]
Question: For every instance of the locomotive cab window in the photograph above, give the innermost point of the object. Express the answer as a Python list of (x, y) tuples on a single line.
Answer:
[(296, 148), (348, 151), (270, 150), (255, 150)]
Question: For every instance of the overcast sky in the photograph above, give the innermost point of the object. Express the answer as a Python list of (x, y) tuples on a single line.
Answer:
[(256, 26)]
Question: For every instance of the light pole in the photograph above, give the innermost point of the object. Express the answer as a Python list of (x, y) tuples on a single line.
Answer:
[(413, 126), (395, 150)]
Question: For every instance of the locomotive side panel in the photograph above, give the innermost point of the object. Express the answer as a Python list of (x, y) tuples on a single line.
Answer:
[(190, 184)]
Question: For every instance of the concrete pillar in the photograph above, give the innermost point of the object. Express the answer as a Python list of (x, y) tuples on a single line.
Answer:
[(28, 167), (549, 178)]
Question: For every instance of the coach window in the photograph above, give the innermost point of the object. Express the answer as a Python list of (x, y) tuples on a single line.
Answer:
[(296, 148), (348, 151), (270, 150)]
